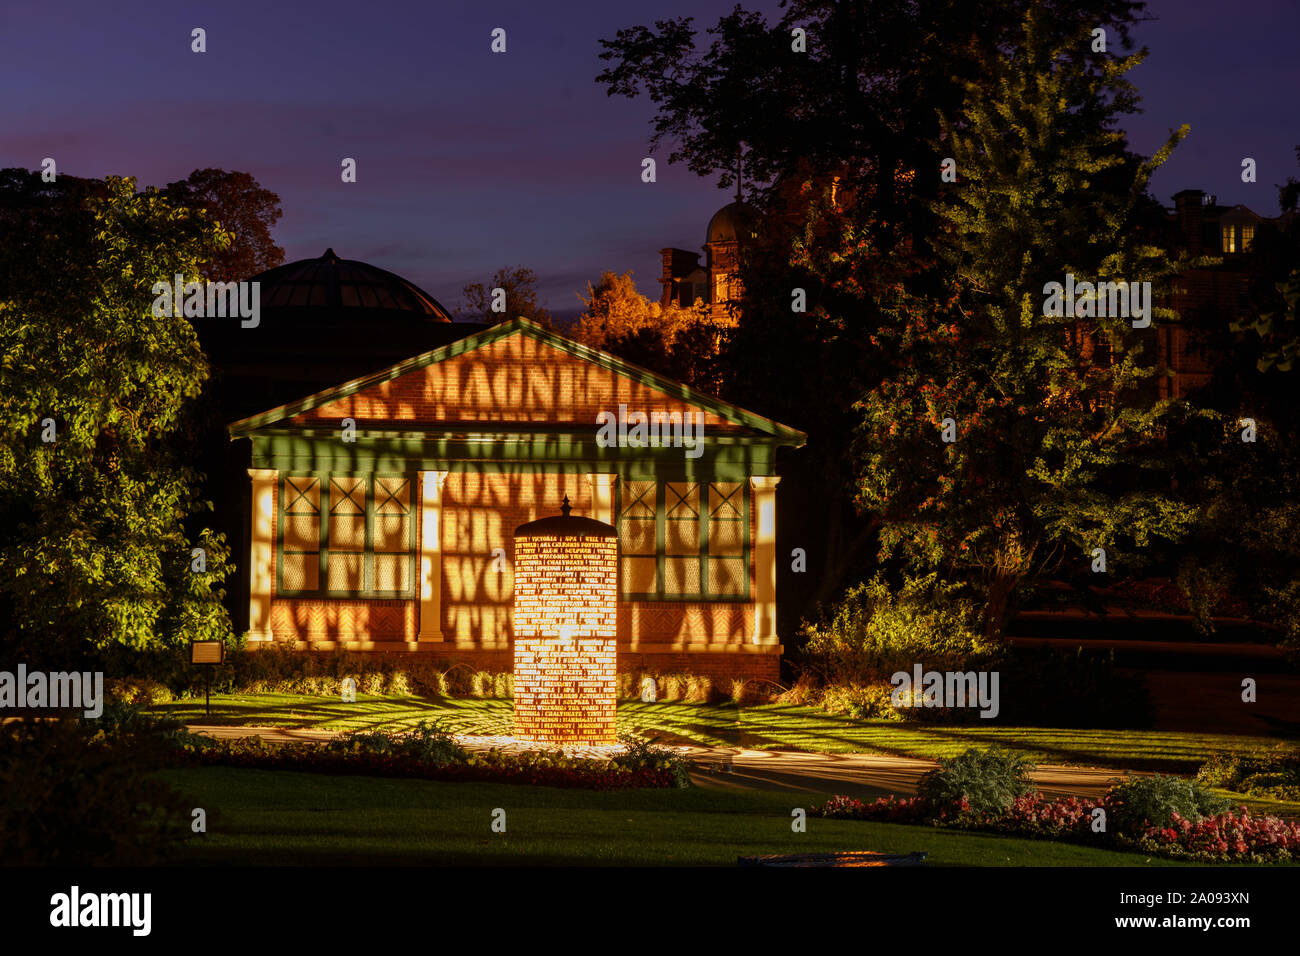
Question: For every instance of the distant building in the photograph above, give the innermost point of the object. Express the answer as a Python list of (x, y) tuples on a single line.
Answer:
[(717, 281), (1211, 298)]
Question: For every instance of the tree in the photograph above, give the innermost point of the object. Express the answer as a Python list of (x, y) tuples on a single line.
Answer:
[(519, 286), (244, 209), (676, 342), (1246, 542), (840, 151), (94, 390), (1005, 443), (863, 92)]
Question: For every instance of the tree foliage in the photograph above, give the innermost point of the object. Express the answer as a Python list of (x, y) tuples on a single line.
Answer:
[(244, 209), (674, 341), (520, 287), (1054, 431), (93, 550), (840, 144)]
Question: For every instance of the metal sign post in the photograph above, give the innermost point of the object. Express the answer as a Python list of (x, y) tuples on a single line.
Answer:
[(208, 654)]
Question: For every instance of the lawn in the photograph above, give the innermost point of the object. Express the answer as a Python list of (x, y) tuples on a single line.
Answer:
[(258, 817), (726, 725)]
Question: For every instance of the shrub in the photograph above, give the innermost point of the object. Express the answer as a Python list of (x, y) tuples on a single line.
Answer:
[(804, 691), (140, 690), (699, 689), (672, 687), (864, 703), (643, 754), (987, 780), (370, 755), (458, 680), (890, 809), (426, 743), (874, 632), (1269, 772), (1223, 837), (1141, 802), (1203, 588), (72, 795), (1282, 609), (399, 684), (503, 685)]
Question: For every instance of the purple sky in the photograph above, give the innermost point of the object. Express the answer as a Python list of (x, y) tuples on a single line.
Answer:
[(468, 161)]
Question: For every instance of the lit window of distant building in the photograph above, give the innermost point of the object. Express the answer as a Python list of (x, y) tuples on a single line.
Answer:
[(1247, 237), (1228, 244)]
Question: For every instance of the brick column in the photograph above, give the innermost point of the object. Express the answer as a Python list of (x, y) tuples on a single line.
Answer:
[(765, 559), (431, 555), (261, 553), (602, 497)]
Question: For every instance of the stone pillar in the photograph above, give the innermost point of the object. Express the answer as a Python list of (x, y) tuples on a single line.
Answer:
[(602, 497), (431, 555), (261, 553), (765, 558)]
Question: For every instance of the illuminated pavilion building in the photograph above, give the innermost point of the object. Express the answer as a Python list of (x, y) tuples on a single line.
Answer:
[(391, 453)]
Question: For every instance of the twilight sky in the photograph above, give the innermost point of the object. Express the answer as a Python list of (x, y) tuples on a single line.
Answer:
[(468, 161)]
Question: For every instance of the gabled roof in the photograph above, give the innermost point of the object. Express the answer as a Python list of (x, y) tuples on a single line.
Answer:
[(780, 434)]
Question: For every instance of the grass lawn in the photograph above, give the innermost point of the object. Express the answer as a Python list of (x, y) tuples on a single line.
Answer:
[(759, 727), (726, 725), (260, 817)]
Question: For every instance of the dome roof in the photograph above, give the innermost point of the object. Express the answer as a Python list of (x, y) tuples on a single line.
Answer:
[(333, 283), (565, 525), (323, 321), (738, 220)]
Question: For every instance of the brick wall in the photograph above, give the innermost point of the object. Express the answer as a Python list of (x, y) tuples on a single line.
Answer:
[(301, 619), (515, 379), (479, 515)]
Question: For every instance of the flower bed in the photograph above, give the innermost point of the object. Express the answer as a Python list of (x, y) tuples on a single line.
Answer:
[(1227, 837), (546, 769), (1220, 838), (429, 754)]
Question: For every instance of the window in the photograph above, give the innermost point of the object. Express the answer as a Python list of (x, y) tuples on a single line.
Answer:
[(347, 536), (1228, 244), (1247, 237), (300, 535), (684, 540)]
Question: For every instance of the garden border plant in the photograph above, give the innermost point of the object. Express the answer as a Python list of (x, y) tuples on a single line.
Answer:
[(1168, 816), (428, 751)]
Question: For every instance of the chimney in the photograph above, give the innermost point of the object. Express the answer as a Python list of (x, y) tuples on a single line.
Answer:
[(1188, 205)]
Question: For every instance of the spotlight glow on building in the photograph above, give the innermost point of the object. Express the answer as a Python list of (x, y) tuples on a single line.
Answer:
[(565, 628)]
